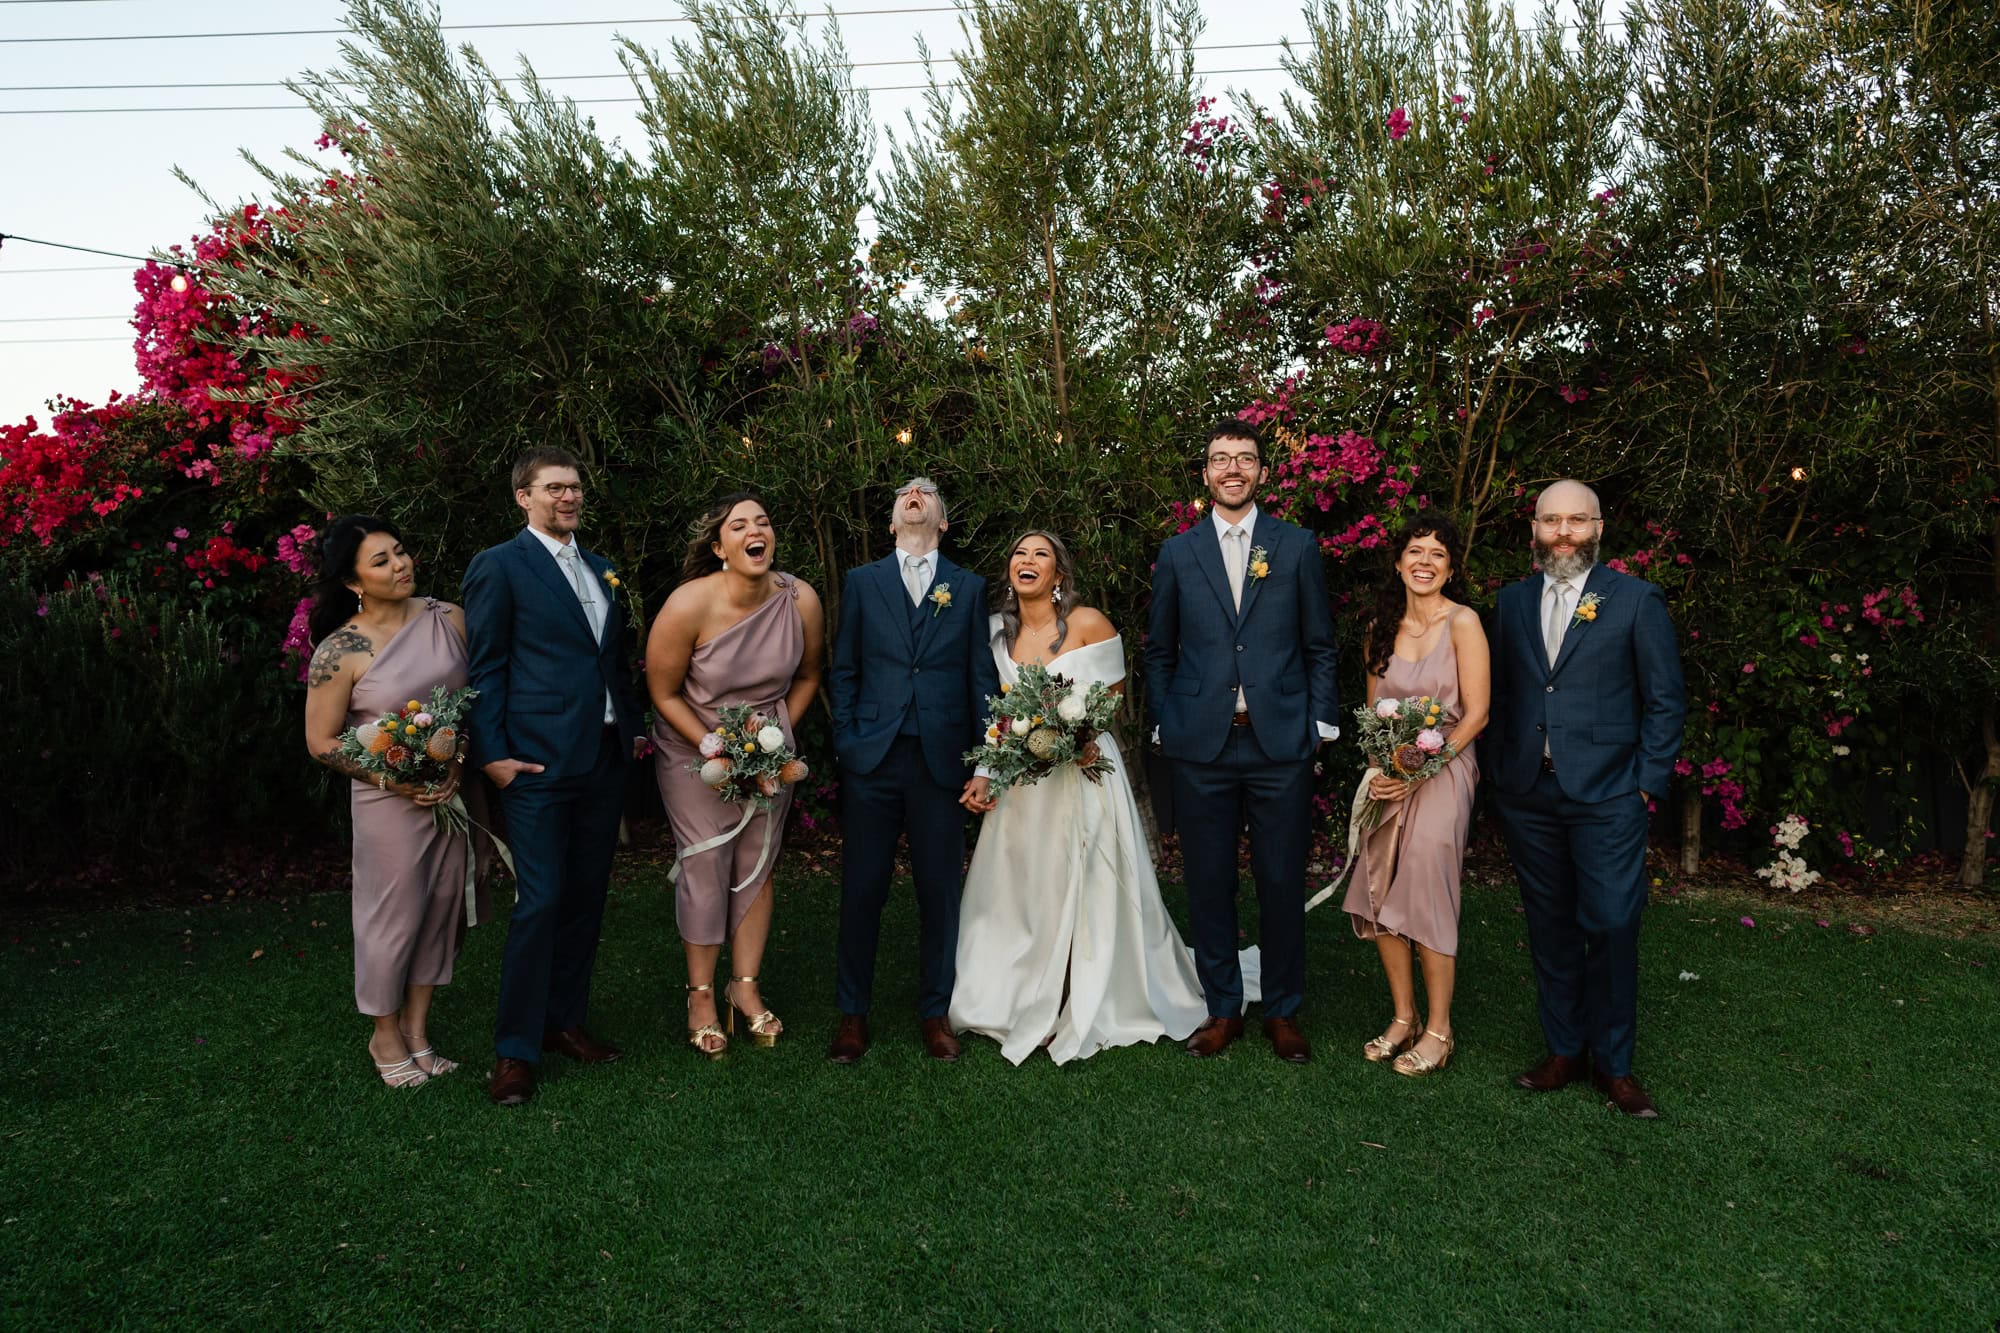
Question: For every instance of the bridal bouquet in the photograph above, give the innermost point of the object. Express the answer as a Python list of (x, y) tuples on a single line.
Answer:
[(416, 744), (746, 759), (1039, 724), (1400, 737)]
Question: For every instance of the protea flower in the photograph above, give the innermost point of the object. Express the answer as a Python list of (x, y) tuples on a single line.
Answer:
[(1043, 742), (398, 756), (380, 742), (795, 770), (716, 771), (443, 744), (767, 784)]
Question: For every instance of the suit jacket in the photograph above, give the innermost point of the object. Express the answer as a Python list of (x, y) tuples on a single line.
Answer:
[(882, 667), (1278, 647), (540, 674), (1611, 707)]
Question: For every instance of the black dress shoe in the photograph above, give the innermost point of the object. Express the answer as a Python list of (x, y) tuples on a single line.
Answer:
[(1553, 1073), (1626, 1094), (512, 1082)]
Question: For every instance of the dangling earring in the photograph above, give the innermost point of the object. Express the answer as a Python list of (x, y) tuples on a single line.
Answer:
[(1055, 594), (725, 564), (360, 605)]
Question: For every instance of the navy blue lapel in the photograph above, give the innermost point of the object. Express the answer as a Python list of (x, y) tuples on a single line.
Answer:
[(1208, 554), (947, 574), (1528, 624), (895, 598), (1594, 582), (1268, 528), (545, 567), (598, 567)]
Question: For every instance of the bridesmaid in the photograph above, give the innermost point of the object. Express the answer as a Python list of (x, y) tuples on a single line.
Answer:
[(734, 631), (1422, 640), (379, 646)]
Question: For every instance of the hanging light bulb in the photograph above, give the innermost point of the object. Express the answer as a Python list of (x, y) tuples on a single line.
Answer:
[(179, 282)]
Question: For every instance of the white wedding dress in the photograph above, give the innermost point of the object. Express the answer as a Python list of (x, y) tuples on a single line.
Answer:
[(1062, 882)]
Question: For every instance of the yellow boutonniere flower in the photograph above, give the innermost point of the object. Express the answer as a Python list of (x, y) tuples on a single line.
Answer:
[(611, 577), (1260, 562), (1586, 609), (940, 598)]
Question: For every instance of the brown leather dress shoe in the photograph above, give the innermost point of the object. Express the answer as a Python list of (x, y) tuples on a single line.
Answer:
[(1553, 1073), (850, 1041), (1287, 1042), (1626, 1094), (1213, 1036), (580, 1046), (512, 1082), (939, 1043)]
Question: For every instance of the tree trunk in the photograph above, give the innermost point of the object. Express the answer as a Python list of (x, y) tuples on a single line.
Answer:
[(1690, 832), (1979, 805)]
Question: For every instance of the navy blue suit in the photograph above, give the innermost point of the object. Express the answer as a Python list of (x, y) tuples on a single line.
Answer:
[(1609, 712), (1279, 649), (908, 688), (542, 679)]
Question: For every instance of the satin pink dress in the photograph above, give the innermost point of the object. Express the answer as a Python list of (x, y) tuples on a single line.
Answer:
[(1421, 900), (752, 662), (409, 878)]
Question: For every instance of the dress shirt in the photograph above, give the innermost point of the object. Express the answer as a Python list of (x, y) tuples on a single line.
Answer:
[(928, 572)]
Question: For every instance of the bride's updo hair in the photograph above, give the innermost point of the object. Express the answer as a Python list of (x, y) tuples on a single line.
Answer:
[(1010, 606), (706, 531)]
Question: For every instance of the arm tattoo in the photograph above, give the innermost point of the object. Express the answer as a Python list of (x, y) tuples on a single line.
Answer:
[(340, 763), (326, 658)]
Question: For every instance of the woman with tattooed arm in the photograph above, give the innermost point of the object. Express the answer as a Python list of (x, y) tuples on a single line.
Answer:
[(378, 645)]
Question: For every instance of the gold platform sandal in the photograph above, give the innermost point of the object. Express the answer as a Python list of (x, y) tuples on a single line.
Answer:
[(1415, 1064), (707, 1032), (764, 1027), (1376, 1050)]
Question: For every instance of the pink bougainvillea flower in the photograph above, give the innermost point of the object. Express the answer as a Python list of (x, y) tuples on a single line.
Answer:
[(1748, 922)]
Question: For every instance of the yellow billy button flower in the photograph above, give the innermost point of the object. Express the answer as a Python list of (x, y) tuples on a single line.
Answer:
[(1005, 686), (749, 747)]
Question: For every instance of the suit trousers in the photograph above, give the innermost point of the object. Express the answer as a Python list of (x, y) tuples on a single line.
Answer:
[(562, 832), (1582, 869), (898, 795), (1212, 802)]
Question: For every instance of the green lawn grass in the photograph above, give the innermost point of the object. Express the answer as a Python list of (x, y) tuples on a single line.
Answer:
[(191, 1135)]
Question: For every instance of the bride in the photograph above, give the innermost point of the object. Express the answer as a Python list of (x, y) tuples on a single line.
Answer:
[(1063, 939)]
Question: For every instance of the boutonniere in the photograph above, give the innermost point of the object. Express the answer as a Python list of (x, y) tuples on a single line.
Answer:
[(610, 576), (1260, 562), (1586, 609), (940, 598)]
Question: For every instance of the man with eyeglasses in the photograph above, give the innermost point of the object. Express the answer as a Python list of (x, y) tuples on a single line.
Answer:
[(910, 679), (554, 725), (1587, 711), (1240, 689)]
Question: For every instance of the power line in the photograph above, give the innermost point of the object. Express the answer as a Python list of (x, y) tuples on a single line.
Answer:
[(43, 342), (449, 27), (60, 319), (70, 268), (517, 78), (85, 249)]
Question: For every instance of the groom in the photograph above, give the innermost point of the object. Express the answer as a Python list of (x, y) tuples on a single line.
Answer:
[(1587, 711), (1240, 689), (554, 726), (912, 671)]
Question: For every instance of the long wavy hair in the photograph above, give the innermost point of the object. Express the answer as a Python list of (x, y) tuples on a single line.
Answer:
[(1009, 605), (706, 531), (1390, 598), (333, 602)]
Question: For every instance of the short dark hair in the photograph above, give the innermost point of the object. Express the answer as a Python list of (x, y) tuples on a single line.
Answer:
[(1231, 428), (534, 460)]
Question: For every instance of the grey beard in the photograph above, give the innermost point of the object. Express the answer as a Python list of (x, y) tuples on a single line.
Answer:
[(1566, 566)]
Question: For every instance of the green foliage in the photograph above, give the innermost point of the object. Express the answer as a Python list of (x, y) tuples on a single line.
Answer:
[(158, 733)]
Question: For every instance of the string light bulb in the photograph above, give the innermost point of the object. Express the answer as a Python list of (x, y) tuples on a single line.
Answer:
[(179, 282)]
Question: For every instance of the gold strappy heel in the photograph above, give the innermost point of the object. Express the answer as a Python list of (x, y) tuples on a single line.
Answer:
[(696, 1036), (1378, 1049), (764, 1027), (1415, 1064)]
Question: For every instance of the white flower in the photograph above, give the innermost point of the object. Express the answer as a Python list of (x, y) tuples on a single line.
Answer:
[(1841, 751), (1387, 707), (992, 735), (770, 738), (1071, 709), (711, 745), (1833, 658), (1690, 976), (1861, 658)]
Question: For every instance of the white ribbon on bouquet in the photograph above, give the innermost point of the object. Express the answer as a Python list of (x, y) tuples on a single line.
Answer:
[(1358, 842), (750, 810)]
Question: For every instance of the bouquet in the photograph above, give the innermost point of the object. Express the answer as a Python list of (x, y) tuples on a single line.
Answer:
[(1042, 722), (745, 759), (416, 744), (1400, 738)]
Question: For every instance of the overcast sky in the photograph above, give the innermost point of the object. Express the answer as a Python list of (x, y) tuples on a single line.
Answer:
[(73, 173)]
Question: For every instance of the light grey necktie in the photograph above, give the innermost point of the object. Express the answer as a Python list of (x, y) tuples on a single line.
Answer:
[(1235, 558), (574, 564), (1558, 622), (913, 577)]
